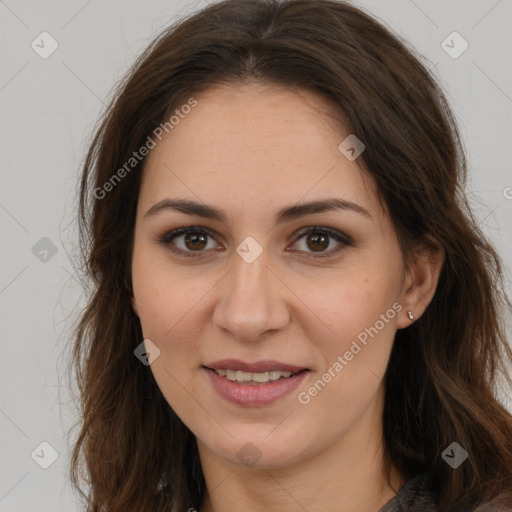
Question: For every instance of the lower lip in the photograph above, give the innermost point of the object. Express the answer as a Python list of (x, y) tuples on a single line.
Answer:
[(254, 395)]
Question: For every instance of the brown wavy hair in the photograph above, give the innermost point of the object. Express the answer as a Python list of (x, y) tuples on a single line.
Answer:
[(132, 450)]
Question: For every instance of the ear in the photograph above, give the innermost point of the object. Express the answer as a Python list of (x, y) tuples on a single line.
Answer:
[(134, 306), (420, 283)]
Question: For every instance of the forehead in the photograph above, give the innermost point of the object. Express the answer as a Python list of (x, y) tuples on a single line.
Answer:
[(267, 145)]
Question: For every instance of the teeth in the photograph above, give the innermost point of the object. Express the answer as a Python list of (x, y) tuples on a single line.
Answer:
[(242, 376), (258, 378), (261, 377)]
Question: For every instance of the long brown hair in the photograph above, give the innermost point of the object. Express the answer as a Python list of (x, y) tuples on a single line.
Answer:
[(132, 450)]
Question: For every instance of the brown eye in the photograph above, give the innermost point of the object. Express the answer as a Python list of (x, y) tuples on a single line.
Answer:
[(192, 241), (317, 242), (318, 239), (195, 241), (188, 240)]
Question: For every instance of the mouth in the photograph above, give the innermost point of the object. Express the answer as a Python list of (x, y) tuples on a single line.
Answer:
[(235, 383), (254, 378)]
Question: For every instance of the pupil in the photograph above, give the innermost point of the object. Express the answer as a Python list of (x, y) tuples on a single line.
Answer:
[(195, 238), (319, 239)]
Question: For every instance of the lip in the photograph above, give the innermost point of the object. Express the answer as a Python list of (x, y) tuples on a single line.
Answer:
[(254, 395), (256, 367)]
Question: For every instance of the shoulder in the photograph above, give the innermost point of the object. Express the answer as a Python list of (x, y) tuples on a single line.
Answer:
[(496, 505), (416, 495)]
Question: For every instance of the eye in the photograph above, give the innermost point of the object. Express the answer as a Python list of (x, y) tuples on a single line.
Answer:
[(187, 240), (317, 239), (190, 241)]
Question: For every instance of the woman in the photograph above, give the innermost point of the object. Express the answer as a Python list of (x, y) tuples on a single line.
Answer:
[(292, 306)]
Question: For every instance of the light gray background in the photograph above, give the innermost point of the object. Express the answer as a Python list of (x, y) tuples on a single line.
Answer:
[(48, 110)]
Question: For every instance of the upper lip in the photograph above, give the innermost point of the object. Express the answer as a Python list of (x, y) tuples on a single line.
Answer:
[(256, 367)]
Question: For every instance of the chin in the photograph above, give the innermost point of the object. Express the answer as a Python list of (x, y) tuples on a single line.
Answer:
[(258, 452)]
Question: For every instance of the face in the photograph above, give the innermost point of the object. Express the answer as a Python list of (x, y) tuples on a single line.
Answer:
[(319, 292)]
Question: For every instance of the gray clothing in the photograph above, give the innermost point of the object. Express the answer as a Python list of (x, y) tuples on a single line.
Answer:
[(416, 495)]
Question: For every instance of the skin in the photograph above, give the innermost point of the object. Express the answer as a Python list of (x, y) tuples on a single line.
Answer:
[(251, 150)]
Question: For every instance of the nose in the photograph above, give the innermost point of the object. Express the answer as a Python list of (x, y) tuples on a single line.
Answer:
[(252, 301)]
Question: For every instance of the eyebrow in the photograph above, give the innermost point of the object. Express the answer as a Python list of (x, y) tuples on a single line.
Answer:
[(286, 214)]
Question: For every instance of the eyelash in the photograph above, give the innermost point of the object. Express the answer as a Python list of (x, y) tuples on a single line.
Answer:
[(339, 237)]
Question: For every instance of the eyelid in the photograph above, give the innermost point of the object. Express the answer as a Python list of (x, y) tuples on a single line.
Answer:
[(340, 237), (167, 238), (169, 235), (324, 229)]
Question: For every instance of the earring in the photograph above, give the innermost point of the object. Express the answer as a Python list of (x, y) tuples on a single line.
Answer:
[(410, 315)]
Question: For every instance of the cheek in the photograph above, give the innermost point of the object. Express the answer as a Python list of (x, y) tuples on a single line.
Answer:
[(168, 307), (347, 303), (353, 330), (355, 350), (164, 297)]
